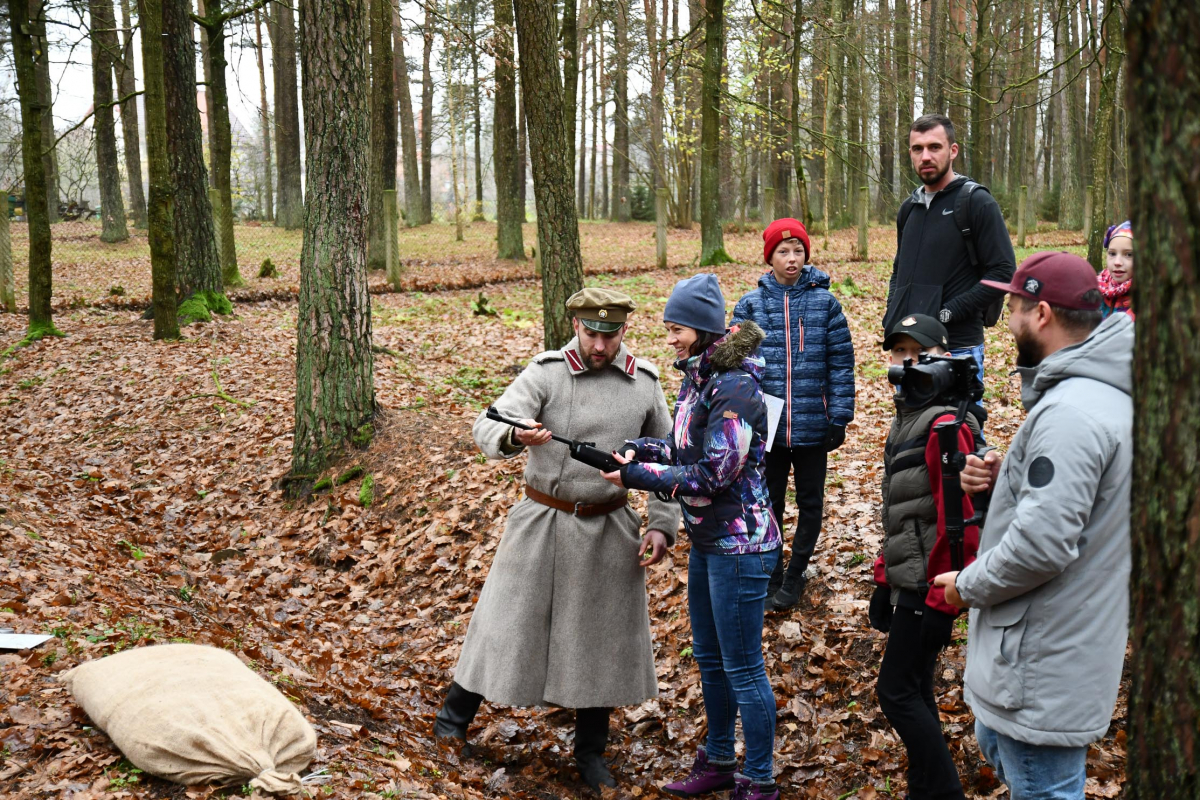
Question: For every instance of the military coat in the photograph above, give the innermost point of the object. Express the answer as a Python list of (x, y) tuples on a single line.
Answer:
[(562, 618)]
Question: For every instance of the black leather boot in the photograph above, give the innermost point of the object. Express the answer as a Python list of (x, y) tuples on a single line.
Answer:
[(591, 736), (458, 710)]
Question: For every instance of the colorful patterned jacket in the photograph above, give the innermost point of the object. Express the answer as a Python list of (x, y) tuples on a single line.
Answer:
[(713, 464)]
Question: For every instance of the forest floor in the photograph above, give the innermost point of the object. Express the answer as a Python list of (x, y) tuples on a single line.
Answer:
[(139, 503)]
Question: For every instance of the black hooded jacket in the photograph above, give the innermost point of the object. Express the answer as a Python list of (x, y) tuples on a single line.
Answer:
[(932, 270)]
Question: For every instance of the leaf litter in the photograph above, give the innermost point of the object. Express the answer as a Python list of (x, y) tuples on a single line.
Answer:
[(140, 504)]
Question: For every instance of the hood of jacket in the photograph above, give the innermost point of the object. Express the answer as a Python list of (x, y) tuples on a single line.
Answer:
[(737, 349), (810, 278), (1106, 355), (958, 181)]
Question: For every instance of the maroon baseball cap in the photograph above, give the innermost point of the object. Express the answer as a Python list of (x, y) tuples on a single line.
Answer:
[(1060, 279)]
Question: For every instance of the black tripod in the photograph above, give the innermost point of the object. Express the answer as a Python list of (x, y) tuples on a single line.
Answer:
[(953, 461)]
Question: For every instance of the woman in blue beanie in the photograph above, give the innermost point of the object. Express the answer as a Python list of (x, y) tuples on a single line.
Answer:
[(713, 465)]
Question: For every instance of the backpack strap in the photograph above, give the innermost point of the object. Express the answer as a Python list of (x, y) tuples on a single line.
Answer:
[(962, 218), (902, 218)]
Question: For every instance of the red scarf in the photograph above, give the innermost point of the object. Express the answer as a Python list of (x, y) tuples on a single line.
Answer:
[(1117, 296)]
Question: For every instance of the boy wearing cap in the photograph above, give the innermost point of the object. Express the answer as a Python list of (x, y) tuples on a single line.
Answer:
[(562, 617), (917, 619), (1049, 592), (810, 366)]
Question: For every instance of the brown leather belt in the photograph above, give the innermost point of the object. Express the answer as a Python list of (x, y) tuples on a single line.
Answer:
[(578, 509)]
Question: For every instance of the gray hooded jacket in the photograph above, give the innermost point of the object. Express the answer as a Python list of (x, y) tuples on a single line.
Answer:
[(1049, 593)]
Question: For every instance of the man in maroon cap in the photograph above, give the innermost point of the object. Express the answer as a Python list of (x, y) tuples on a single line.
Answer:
[(1048, 592)]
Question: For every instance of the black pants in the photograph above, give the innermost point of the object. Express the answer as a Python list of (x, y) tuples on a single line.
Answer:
[(905, 690), (810, 464)]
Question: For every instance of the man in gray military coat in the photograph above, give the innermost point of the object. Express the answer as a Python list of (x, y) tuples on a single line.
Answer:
[(562, 619)]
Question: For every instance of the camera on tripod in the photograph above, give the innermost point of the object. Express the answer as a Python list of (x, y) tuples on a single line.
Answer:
[(952, 380)]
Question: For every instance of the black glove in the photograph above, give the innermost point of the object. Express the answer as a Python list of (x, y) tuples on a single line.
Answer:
[(880, 612), (937, 629), (834, 437)]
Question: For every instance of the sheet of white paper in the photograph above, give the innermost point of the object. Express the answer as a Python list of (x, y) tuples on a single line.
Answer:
[(22, 641), (774, 410)]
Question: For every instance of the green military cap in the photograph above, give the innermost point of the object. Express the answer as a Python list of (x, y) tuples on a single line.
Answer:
[(601, 310)]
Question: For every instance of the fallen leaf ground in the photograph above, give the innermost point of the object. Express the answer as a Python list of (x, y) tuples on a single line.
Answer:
[(141, 506)]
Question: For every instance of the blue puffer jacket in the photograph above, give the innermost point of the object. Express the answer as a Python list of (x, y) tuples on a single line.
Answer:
[(809, 354), (713, 464)]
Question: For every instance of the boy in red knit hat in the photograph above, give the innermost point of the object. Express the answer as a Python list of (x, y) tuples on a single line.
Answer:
[(810, 366)]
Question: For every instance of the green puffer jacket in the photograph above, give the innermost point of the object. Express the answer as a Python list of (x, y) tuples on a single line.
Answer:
[(909, 509)]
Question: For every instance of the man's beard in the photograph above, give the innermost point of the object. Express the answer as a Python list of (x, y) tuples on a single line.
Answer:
[(930, 181), (596, 367), (1030, 352)]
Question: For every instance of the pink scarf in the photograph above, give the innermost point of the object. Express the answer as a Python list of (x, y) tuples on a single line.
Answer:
[(1117, 296)]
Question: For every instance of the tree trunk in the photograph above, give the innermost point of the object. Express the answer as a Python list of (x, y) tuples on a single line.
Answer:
[(658, 90), (413, 210), (335, 393), (887, 122), (28, 38), (581, 182), (979, 157), (104, 52), (1101, 147), (129, 121), (522, 145), (289, 200), (712, 238), (1073, 178), (797, 149), (268, 210), (198, 269), (8, 286), (46, 102), (597, 100), (509, 240), (161, 208), (448, 71), (904, 93), (569, 34), (934, 102), (427, 116), (620, 181), (604, 150), (220, 141), (781, 108), (558, 227), (477, 106), (382, 163), (1163, 100)]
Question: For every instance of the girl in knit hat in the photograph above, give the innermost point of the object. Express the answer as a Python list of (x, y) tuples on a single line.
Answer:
[(1116, 282)]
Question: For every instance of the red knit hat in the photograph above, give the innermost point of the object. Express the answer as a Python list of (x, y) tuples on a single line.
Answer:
[(780, 229)]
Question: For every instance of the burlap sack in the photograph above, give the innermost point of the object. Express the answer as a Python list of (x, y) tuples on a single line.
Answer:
[(195, 714)]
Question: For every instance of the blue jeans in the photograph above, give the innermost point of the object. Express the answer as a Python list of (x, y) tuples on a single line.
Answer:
[(976, 352), (977, 409), (1034, 772), (726, 597)]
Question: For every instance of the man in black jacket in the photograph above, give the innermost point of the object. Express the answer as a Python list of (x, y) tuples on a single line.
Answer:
[(934, 272)]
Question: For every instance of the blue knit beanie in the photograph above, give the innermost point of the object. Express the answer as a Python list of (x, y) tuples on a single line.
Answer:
[(697, 302)]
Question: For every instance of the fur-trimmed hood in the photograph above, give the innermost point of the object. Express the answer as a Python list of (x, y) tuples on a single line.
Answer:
[(737, 349)]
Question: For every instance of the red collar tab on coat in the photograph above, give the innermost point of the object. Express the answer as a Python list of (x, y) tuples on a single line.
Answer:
[(574, 362)]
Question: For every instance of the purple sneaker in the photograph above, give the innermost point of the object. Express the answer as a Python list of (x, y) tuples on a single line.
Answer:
[(704, 778), (747, 789)]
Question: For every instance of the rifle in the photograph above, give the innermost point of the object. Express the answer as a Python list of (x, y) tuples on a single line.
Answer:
[(585, 452), (953, 460)]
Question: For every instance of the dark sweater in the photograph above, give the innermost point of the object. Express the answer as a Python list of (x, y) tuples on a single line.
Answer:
[(932, 269)]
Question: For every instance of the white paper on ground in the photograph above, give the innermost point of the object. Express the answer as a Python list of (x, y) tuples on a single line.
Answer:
[(22, 641), (774, 410)]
